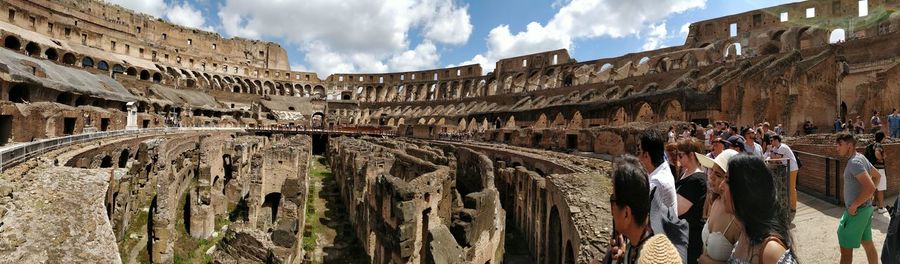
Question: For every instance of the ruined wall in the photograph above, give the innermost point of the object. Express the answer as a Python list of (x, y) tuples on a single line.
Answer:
[(407, 209)]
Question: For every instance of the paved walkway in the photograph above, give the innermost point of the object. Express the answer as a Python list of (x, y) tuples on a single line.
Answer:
[(815, 231)]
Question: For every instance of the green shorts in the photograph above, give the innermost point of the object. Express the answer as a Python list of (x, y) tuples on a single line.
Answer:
[(854, 229)]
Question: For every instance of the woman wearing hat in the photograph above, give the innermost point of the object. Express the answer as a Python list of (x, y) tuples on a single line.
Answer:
[(764, 238), (722, 228)]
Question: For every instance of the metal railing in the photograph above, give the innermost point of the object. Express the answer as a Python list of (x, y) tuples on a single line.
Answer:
[(17, 153), (830, 174)]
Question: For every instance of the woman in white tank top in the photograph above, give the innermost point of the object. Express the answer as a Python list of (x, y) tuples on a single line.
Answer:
[(721, 229)]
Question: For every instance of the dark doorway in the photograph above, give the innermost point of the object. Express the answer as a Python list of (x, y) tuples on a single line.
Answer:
[(69, 125), (5, 129), (506, 137), (146, 124), (554, 243), (843, 112), (536, 140), (123, 158), (273, 201), (186, 212), (572, 141), (18, 94), (151, 235), (106, 162), (12, 43), (320, 144), (104, 124)]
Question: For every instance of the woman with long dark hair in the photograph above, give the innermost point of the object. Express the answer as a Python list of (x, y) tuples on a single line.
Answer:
[(749, 193)]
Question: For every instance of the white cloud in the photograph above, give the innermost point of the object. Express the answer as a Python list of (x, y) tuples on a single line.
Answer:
[(178, 13), (424, 56), (685, 29), (186, 15), (151, 7), (657, 34), (350, 35), (581, 19)]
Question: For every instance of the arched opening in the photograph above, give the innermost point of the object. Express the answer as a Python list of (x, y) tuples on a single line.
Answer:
[(12, 43), (570, 254), (103, 65), (106, 162), (229, 174), (186, 212), (157, 77), (145, 75), (131, 71), (837, 36), (272, 202), (64, 98), (69, 59), (18, 93), (123, 158), (87, 62), (843, 112), (118, 68), (32, 49), (554, 233), (236, 89), (733, 50), (51, 54)]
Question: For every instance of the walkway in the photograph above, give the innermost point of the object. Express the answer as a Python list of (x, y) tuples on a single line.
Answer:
[(815, 231)]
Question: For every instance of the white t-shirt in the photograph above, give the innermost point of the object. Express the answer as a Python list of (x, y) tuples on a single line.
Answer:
[(756, 150), (663, 180), (786, 152)]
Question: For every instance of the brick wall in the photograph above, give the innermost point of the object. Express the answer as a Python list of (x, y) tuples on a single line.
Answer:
[(812, 175)]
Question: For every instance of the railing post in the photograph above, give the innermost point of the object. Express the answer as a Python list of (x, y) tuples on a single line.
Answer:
[(838, 182), (827, 177)]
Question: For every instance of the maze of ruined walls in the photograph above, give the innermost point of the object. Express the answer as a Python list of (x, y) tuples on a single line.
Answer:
[(258, 184), (545, 195), (412, 204)]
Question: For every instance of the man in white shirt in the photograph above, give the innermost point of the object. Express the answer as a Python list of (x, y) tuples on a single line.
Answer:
[(783, 151), (651, 153)]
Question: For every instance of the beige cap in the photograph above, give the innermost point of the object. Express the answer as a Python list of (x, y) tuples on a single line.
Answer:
[(721, 160)]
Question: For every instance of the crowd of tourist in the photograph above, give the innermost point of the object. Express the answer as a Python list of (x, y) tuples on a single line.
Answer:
[(719, 186)]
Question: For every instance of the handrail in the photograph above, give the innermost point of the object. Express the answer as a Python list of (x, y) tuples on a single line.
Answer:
[(17, 153), (831, 175)]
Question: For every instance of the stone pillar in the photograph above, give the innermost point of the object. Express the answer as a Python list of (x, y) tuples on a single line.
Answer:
[(132, 116)]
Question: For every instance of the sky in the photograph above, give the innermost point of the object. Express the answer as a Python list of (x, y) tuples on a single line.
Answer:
[(376, 36)]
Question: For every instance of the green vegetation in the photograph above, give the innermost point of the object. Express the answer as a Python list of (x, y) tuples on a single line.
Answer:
[(318, 173)]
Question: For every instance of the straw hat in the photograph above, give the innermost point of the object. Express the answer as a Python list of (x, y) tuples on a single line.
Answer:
[(658, 250), (721, 160)]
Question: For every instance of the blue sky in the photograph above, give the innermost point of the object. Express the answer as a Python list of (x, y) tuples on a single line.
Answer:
[(328, 36)]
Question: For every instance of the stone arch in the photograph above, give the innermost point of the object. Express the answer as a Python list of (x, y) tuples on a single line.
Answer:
[(116, 68), (157, 77), (12, 42), (733, 51), (541, 121), (272, 201), (32, 49), (106, 162), (644, 113), (570, 253), (87, 62), (559, 121), (577, 121), (69, 58), (319, 91), (123, 158), (837, 36), (103, 65), (620, 117), (145, 75), (672, 111), (554, 235), (18, 93), (51, 54)]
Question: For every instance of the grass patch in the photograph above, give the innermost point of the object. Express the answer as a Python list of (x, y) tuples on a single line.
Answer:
[(318, 172)]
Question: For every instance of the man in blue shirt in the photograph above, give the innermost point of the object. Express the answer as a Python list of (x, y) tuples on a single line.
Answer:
[(838, 126), (894, 123)]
